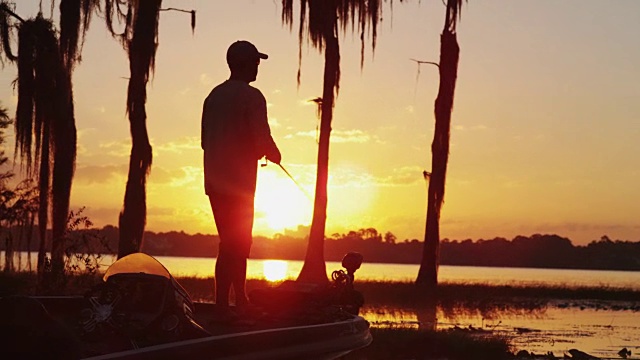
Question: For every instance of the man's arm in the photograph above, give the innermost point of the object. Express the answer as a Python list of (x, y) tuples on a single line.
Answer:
[(265, 146), (203, 127)]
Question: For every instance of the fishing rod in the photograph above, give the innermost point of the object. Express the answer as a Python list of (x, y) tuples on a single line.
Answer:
[(292, 179), (295, 182)]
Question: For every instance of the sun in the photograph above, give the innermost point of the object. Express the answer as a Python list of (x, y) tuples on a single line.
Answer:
[(274, 270), (280, 203)]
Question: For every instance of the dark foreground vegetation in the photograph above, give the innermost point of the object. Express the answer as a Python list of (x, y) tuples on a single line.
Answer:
[(393, 342)]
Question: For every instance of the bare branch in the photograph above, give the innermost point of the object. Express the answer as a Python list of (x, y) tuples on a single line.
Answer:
[(192, 12), (176, 9), (8, 11), (425, 62)]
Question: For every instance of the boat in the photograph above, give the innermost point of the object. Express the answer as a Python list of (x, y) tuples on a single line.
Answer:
[(140, 311)]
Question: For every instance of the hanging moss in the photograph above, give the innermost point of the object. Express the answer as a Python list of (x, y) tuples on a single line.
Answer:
[(5, 32), (319, 19), (75, 16)]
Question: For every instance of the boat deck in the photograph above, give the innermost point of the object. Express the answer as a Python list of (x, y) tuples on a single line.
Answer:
[(248, 333)]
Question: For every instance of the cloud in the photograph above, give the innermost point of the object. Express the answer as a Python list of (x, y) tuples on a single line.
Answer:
[(340, 136), (205, 79), (100, 174), (274, 123), (190, 174), (352, 177), (81, 148), (588, 227), (187, 143), (406, 175), (161, 211), (101, 216), (176, 177), (514, 184), (470, 128), (121, 148)]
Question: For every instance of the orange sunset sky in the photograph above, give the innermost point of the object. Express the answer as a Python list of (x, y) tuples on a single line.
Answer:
[(545, 130)]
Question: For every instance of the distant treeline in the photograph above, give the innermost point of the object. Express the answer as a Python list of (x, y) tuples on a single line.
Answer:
[(537, 251)]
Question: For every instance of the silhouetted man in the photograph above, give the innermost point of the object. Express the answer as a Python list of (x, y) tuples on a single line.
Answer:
[(235, 135)]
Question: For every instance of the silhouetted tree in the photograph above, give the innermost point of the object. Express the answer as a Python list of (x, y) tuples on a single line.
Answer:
[(390, 238), (140, 40), (320, 21), (45, 121), (448, 69)]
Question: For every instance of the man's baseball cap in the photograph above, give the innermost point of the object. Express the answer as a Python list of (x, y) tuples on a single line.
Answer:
[(243, 51)]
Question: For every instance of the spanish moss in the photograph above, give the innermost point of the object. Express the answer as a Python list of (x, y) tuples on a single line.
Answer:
[(45, 122), (75, 16), (317, 18), (6, 31)]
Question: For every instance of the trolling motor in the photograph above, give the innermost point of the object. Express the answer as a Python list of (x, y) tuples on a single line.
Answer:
[(293, 298), (352, 262), (347, 297)]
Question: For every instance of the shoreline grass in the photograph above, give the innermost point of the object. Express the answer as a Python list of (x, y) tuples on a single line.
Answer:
[(376, 293), (405, 343)]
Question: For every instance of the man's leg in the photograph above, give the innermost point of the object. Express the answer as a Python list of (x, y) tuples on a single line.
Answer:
[(234, 220), (239, 281), (244, 226), (223, 275), (220, 206)]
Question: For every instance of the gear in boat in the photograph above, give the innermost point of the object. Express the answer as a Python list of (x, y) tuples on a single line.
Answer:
[(140, 311)]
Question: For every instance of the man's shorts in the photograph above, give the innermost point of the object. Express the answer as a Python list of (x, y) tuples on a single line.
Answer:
[(234, 219)]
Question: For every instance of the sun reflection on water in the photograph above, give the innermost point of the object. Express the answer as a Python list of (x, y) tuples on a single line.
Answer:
[(274, 270)]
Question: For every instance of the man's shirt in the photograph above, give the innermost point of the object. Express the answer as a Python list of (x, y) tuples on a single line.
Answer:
[(235, 135)]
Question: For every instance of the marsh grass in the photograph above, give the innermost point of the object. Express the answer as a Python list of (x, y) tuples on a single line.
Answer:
[(405, 343), (405, 292), (25, 283), (376, 293)]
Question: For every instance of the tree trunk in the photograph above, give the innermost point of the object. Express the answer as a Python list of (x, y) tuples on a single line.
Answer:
[(141, 49), (64, 156), (314, 269), (449, 54), (43, 209), (8, 250), (31, 216)]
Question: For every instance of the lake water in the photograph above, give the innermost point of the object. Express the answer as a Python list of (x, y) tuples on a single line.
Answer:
[(598, 330), (289, 269), (280, 269)]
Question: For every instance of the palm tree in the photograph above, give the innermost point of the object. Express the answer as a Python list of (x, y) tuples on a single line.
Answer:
[(140, 39), (320, 22), (45, 122), (448, 68)]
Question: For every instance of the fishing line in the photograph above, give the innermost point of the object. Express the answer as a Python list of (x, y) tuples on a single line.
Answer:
[(292, 179), (295, 182)]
